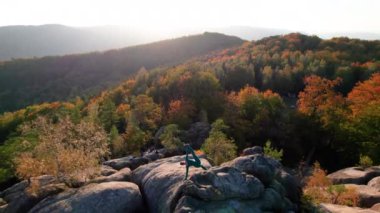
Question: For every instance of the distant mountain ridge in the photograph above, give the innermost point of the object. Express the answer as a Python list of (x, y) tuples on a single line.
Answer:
[(45, 40), (251, 33), (53, 39), (30, 81)]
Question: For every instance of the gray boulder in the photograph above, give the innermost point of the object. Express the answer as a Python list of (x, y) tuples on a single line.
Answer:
[(20, 198), (17, 188), (355, 175), (2, 208), (273, 201), (256, 165), (221, 183), (131, 162), (262, 200), (189, 204), (165, 153), (104, 197), (253, 150), (375, 183), (368, 196), (292, 187), (332, 208), (107, 170), (2, 202), (270, 172), (122, 175), (154, 155), (376, 207)]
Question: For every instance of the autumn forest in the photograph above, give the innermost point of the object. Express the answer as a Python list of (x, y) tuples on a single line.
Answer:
[(317, 100)]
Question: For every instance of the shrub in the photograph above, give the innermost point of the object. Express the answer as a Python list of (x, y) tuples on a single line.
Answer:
[(272, 152), (349, 197), (169, 138), (318, 177), (365, 161), (70, 152), (217, 146), (319, 189)]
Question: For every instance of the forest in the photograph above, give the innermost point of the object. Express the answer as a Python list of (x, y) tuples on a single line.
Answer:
[(25, 82), (317, 100)]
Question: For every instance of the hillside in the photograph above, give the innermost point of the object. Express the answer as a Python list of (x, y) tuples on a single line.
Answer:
[(29, 81), (297, 91)]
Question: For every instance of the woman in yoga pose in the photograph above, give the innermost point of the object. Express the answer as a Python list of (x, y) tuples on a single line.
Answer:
[(196, 162)]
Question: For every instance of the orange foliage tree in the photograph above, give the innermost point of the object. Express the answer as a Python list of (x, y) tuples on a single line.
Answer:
[(364, 126), (365, 94), (319, 100), (180, 112)]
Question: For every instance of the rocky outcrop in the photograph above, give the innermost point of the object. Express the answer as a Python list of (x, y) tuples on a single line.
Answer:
[(104, 197), (354, 175), (20, 197), (224, 188), (252, 183), (269, 172), (332, 208), (228, 189)]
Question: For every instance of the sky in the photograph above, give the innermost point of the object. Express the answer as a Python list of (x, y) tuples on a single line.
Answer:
[(310, 16)]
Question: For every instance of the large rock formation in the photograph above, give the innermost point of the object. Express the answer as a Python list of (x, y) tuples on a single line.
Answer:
[(269, 172), (252, 183), (256, 165), (355, 175), (248, 184), (161, 180), (103, 197)]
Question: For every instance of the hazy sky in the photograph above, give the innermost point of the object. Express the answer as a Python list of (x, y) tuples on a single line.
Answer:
[(310, 16)]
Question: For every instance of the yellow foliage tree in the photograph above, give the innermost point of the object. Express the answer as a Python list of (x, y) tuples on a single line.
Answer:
[(70, 152)]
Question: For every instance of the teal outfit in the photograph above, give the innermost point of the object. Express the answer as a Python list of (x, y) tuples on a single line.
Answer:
[(196, 162)]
